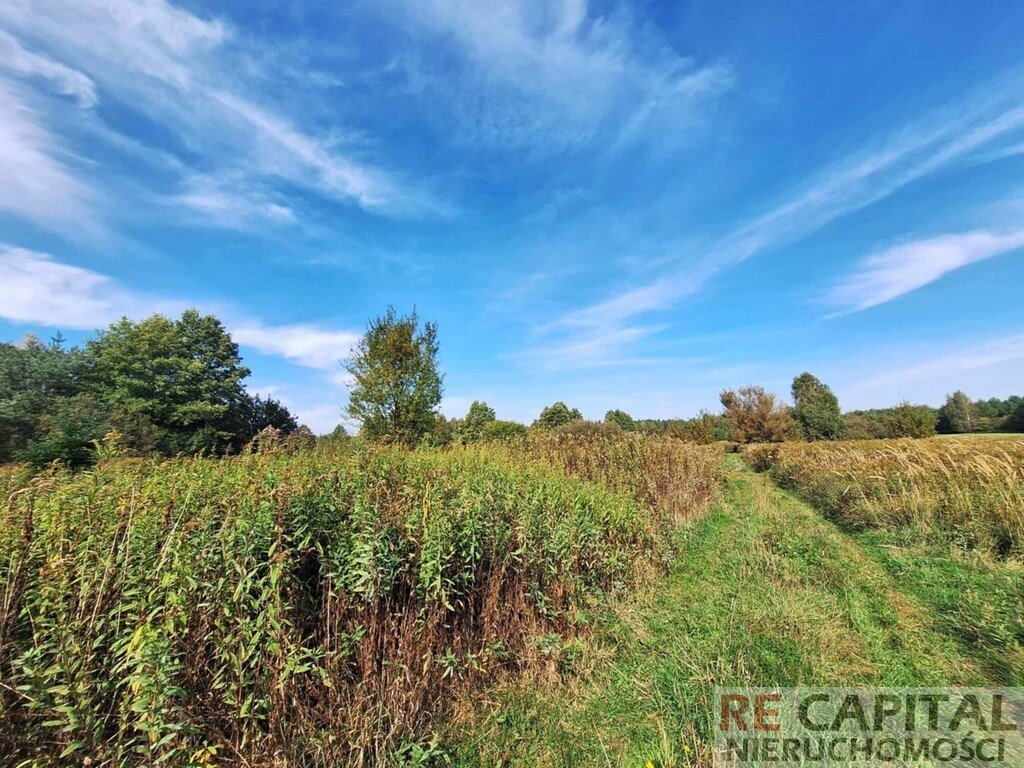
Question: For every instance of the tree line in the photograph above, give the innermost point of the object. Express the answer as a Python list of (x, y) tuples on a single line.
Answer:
[(168, 387), (156, 386)]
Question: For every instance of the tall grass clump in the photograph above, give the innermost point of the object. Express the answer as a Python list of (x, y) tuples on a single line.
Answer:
[(676, 479), (317, 608), (969, 491)]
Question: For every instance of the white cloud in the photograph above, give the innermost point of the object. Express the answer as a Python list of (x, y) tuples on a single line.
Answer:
[(986, 367), (890, 273), (308, 345), (67, 81), (946, 136), (36, 184), (191, 76), (554, 72), (228, 203), (35, 288)]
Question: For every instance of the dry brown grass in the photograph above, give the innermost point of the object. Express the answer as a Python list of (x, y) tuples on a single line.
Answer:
[(970, 491)]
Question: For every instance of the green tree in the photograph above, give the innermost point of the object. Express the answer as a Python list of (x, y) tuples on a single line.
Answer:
[(472, 427), (503, 430), (816, 409), (756, 415), (443, 433), (1015, 421), (182, 376), (34, 379), (397, 386), (261, 413), (959, 415), (68, 433), (622, 419), (557, 415), (906, 420)]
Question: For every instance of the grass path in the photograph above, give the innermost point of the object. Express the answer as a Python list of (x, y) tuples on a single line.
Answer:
[(767, 592)]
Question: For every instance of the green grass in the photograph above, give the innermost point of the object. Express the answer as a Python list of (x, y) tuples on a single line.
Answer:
[(976, 600), (767, 593)]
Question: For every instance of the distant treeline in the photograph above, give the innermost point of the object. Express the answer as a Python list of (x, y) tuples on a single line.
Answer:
[(754, 415), (172, 387), (158, 386)]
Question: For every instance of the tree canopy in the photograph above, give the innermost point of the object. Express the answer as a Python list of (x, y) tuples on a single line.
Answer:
[(557, 415), (620, 418), (756, 415), (959, 415), (160, 385), (473, 426), (396, 382), (816, 409)]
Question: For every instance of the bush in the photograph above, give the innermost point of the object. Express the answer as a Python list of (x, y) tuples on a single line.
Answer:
[(504, 430)]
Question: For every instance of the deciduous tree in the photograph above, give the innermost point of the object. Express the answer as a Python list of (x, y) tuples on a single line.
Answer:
[(396, 383), (816, 409), (756, 415), (556, 415)]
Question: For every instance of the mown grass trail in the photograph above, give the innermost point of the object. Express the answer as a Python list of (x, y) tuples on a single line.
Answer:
[(767, 593)]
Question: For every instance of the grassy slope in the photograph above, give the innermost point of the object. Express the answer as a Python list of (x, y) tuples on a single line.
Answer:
[(768, 593)]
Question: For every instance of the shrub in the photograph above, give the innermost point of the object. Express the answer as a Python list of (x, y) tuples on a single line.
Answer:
[(756, 416), (503, 430)]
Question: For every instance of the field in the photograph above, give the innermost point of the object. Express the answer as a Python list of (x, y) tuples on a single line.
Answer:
[(311, 608), (568, 599), (968, 491)]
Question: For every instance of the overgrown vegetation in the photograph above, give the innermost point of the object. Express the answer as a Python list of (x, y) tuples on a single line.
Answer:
[(970, 492), (311, 608), (165, 386), (765, 592)]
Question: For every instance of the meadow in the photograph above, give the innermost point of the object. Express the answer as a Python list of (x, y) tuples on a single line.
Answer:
[(944, 517), (566, 597), (969, 491), (318, 607)]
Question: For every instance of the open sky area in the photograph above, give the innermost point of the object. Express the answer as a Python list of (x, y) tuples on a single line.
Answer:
[(615, 204)]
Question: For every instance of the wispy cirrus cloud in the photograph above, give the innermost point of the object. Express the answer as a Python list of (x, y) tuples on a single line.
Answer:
[(954, 133), (38, 183), (562, 73), (900, 269), (16, 59), (193, 77), (937, 375), (37, 289)]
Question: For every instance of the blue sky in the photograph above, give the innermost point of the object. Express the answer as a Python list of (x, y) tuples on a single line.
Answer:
[(612, 204)]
